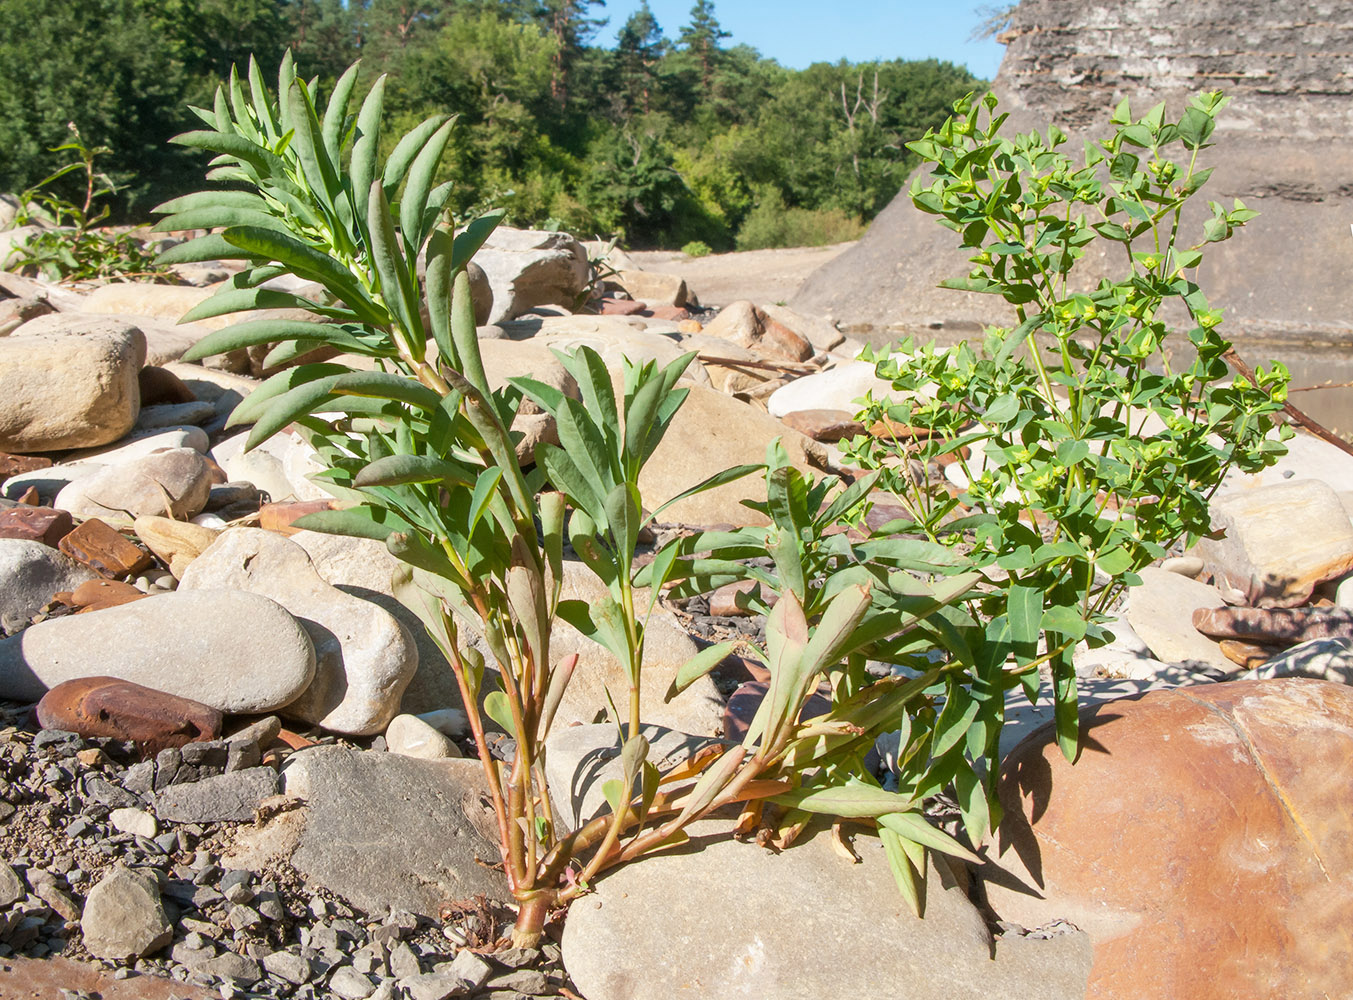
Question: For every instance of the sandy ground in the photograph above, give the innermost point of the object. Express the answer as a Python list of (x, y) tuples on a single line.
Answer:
[(764, 276)]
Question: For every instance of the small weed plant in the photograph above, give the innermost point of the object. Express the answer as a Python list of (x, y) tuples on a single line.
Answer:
[(422, 453), (71, 248), (1085, 452)]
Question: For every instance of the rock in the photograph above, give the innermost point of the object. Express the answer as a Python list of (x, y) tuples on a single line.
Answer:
[(362, 567), (221, 798), (176, 543), (364, 656), (161, 415), (527, 268), (1245, 799), (107, 707), (11, 886), (1275, 626), (1161, 612), (95, 595), (35, 524), (279, 466), (348, 983), (68, 384), (32, 572), (621, 307), (207, 645), (433, 986), (1326, 659), (13, 465), (684, 923), (432, 820), (819, 332), (229, 965), (469, 968), (137, 822), (160, 385), (507, 358), (282, 517), (743, 324), (651, 287), (48, 482), (837, 388), (612, 337), (712, 432), (287, 966), (124, 918), (162, 302), (1281, 541), (101, 547), (744, 702), (728, 601), (140, 443), (824, 425), (1190, 566), (579, 760), (174, 483), (412, 737)]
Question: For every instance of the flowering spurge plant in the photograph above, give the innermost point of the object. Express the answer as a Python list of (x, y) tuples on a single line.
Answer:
[(1085, 449), (421, 451)]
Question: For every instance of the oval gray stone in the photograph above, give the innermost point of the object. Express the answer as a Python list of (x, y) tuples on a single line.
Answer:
[(236, 652), (32, 573)]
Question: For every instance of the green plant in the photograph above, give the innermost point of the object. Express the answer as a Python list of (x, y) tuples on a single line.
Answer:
[(72, 249), (422, 452), (697, 248), (1085, 451), (772, 224)]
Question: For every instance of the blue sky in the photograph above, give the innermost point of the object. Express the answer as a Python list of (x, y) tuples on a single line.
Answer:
[(800, 32)]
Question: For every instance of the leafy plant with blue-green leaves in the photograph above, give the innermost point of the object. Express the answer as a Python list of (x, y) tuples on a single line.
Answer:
[(419, 448), (1084, 449)]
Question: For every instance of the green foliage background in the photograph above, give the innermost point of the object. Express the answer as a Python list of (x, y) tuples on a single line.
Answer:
[(658, 141)]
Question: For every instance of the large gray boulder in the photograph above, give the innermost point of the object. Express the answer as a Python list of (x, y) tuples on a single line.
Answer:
[(1282, 146), (528, 268)]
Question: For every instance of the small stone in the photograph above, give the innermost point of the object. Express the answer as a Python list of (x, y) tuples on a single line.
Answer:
[(108, 707), (229, 965), (124, 918), (36, 524), (159, 385), (433, 986), (824, 425), (288, 966), (530, 981), (403, 962), (33, 573), (1326, 659), (174, 482), (1190, 566), (471, 968), (177, 543), (95, 595), (412, 737), (137, 822), (243, 918), (193, 954), (11, 886), (99, 546), (723, 603), (229, 797), (350, 984)]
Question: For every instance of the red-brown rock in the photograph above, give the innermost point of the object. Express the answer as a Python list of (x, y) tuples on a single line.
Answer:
[(723, 603), (1275, 626), (99, 546), (106, 706), (30, 497), (31, 978), (13, 465), (35, 524), (160, 385), (281, 516), (621, 307), (743, 703), (823, 425), (95, 595), (674, 314), (1204, 840)]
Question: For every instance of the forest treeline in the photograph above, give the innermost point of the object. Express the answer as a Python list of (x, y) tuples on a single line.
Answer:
[(675, 134)]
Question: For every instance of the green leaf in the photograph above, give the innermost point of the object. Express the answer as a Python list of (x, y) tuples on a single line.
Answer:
[(355, 522), (335, 115), (713, 482), (266, 163), (229, 300), (852, 800), (1024, 610), (468, 242), (406, 151), (1066, 620), (415, 199), (396, 470), (387, 385), (913, 827), (697, 666), (298, 402), (499, 709), (308, 262), (366, 147), (262, 331), (909, 882)]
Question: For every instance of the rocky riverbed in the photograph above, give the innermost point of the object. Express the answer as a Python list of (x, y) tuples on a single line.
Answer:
[(231, 764)]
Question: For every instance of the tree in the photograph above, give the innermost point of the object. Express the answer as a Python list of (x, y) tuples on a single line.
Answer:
[(638, 49), (701, 39), (568, 23)]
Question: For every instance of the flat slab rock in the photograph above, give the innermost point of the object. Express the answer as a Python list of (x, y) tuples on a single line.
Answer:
[(1203, 841), (27, 978), (721, 919), (384, 830)]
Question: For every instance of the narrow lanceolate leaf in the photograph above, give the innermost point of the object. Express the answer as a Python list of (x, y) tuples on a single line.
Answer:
[(263, 331), (853, 800), (913, 826), (320, 172), (209, 199), (236, 147), (713, 482), (298, 402), (366, 147), (393, 270), (697, 666), (406, 151), (218, 216), (415, 199), (385, 385), (832, 639), (909, 882), (335, 116), (397, 470), (203, 248), (257, 401), (439, 294), (711, 783), (310, 263), (258, 93), (468, 242), (357, 522), (229, 300), (465, 338)]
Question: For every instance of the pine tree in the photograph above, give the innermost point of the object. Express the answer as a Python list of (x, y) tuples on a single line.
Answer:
[(701, 39), (639, 47), (568, 23)]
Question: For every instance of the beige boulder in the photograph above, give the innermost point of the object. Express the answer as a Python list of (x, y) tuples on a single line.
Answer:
[(173, 483), (652, 287), (68, 383), (744, 324), (177, 543)]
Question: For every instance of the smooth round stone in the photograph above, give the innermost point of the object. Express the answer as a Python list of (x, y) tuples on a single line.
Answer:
[(236, 652), (412, 737), (175, 482), (32, 572)]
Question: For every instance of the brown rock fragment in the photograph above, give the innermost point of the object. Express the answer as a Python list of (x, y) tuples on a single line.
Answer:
[(723, 603), (95, 595), (1248, 654), (621, 307), (824, 425), (1279, 627), (38, 524), (13, 465), (105, 706), (99, 546)]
